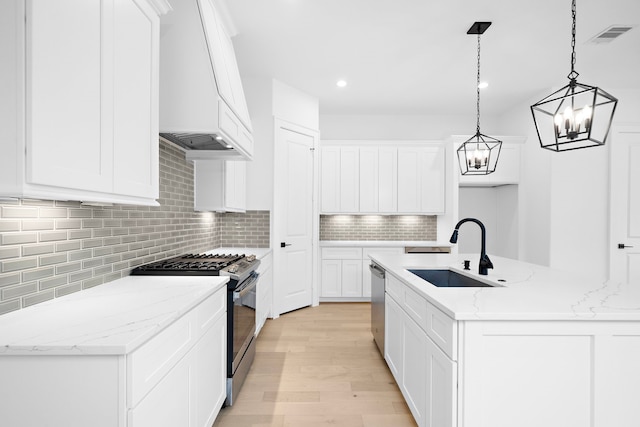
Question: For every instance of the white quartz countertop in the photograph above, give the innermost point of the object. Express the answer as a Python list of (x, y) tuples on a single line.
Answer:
[(383, 243), (113, 318), (529, 292)]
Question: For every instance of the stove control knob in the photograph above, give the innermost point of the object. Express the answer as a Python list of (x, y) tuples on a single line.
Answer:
[(251, 258), (233, 268)]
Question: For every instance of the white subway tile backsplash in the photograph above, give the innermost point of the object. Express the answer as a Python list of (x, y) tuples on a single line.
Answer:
[(19, 212), (18, 238), (37, 274), (19, 264), (20, 290)]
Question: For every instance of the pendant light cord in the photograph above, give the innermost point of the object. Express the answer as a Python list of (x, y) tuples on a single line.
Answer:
[(573, 75), (478, 91)]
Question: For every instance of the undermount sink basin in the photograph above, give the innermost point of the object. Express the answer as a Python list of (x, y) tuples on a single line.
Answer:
[(448, 279)]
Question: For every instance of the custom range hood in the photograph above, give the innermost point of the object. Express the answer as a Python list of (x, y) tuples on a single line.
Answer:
[(202, 105)]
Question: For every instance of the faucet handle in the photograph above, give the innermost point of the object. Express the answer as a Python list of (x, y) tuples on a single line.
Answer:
[(486, 262)]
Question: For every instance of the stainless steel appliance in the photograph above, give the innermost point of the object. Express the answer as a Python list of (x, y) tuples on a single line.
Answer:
[(377, 305), (241, 304)]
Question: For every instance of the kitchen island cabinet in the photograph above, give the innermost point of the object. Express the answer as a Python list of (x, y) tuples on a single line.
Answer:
[(539, 347), (79, 85), (140, 351)]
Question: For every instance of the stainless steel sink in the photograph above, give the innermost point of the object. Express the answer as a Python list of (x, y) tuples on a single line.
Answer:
[(448, 279)]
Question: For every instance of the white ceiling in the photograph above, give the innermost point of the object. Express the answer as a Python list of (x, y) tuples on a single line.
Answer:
[(414, 56)]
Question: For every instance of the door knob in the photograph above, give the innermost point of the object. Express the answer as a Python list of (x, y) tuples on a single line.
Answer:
[(622, 246), (283, 244)]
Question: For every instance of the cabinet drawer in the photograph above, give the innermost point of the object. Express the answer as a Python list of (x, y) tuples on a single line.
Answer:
[(393, 287), (210, 309), (149, 363), (341, 253), (443, 330)]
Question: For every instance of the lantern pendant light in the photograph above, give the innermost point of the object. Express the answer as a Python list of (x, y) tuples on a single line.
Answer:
[(479, 154), (576, 116)]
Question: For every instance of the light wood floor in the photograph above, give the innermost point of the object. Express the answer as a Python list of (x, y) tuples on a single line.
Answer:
[(318, 366)]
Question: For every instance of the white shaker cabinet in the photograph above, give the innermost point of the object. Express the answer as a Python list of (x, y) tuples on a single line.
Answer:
[(425, 373), (341, 273), (421, 179), (339, 179), (378, 180), (80, 100), (175, 377), (383, 178), (220, 185)]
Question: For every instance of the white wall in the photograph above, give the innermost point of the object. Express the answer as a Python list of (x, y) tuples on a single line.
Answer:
[(497, 209)]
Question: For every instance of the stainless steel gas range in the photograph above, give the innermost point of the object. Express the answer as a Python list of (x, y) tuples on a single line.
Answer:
[(241, 303)]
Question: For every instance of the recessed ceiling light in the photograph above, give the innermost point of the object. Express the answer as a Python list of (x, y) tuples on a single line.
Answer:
[(341, 83), (483, 85)]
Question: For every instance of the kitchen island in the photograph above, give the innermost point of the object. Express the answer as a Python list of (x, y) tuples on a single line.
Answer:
[(538, 348), (138, 351)]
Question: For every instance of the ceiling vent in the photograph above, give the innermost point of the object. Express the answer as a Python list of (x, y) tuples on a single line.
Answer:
[(610, 34)]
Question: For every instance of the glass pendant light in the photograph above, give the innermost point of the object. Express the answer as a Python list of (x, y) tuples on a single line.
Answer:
[(479, 154), (576, 116)]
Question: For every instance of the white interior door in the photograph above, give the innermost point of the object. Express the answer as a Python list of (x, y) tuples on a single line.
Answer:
[(293, 217), (625, 205)]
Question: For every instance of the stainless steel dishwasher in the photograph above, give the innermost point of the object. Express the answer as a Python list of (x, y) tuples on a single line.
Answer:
[(377, 305)]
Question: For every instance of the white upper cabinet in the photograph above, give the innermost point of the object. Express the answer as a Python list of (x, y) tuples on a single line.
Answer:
[(81, 104), (421, 179), (339, 179), (220, 185), (394, 178)]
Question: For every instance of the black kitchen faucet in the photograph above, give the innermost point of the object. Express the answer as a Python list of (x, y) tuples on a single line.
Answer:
[(485, 262)]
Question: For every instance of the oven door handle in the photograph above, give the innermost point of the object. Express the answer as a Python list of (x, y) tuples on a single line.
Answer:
[(247, 286)]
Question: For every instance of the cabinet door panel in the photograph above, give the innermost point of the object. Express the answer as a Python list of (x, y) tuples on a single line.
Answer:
[(67, 142), (330, 179), (393, 337), (414, 375), (349, 178), (211, 373), (351, 278), (135, 99), (331, 276), (432, 179), (170, 403), (409, 180), (441, 395), (369, 186), (387, 179)]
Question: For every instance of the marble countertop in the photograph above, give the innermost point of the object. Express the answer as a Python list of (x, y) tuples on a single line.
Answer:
[(113, 318), (383, 243), (529, 291)]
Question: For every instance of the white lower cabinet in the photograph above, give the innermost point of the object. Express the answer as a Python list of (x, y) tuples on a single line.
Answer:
[(220, 186), (176, 378), (264, 291), (191, 391), (345, 274), (426, 376)]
